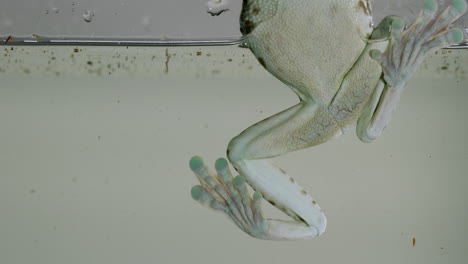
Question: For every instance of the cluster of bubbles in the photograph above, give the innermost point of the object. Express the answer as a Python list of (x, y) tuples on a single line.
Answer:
[(87, 14)]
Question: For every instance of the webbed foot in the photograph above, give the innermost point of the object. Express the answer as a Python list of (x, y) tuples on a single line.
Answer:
[(408, 47), (223, 192)]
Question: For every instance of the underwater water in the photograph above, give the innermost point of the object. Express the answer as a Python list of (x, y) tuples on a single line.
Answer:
[(95, 144)]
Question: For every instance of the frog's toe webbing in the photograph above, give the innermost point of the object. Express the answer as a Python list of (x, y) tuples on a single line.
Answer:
[(228, 194), (408, 47)]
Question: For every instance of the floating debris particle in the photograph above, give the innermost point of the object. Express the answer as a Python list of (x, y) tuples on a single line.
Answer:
[(168, 57), (414, 241), (8, 39), (146, 22), (88, 15)]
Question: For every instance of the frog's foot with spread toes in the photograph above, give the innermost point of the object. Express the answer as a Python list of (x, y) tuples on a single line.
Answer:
[(408, 47), (229, 194)]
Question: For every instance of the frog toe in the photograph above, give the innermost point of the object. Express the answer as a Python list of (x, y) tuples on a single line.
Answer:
[(430, 6), (430, 32), (408, 47), (454, 36), (459, 6), (223, 192), (203, 197), (257, 209)]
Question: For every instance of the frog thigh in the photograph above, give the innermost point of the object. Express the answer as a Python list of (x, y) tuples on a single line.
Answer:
[(356, 87)]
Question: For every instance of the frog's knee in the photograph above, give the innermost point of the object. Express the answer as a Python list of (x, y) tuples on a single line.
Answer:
[(235, 149)]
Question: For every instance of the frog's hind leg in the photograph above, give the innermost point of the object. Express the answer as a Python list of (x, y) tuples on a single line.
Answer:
[(408, 47), (300, 126)]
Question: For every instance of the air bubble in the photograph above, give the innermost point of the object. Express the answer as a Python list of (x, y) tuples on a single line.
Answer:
[(146, 23), (88, 15), (217, 7)]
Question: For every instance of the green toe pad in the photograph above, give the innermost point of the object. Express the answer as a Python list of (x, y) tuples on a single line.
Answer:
[(456, 35), (459, 5), (257, 196), (221, 164), (398, 24), (430, 6), (239, 180), (375, 54), (196, 163), (197, 192)]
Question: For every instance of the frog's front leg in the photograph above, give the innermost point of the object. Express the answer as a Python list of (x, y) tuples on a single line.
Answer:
[(406, 50), (300, 126)]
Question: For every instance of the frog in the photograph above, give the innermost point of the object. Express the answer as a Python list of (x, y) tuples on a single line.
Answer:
[(346, 74)]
